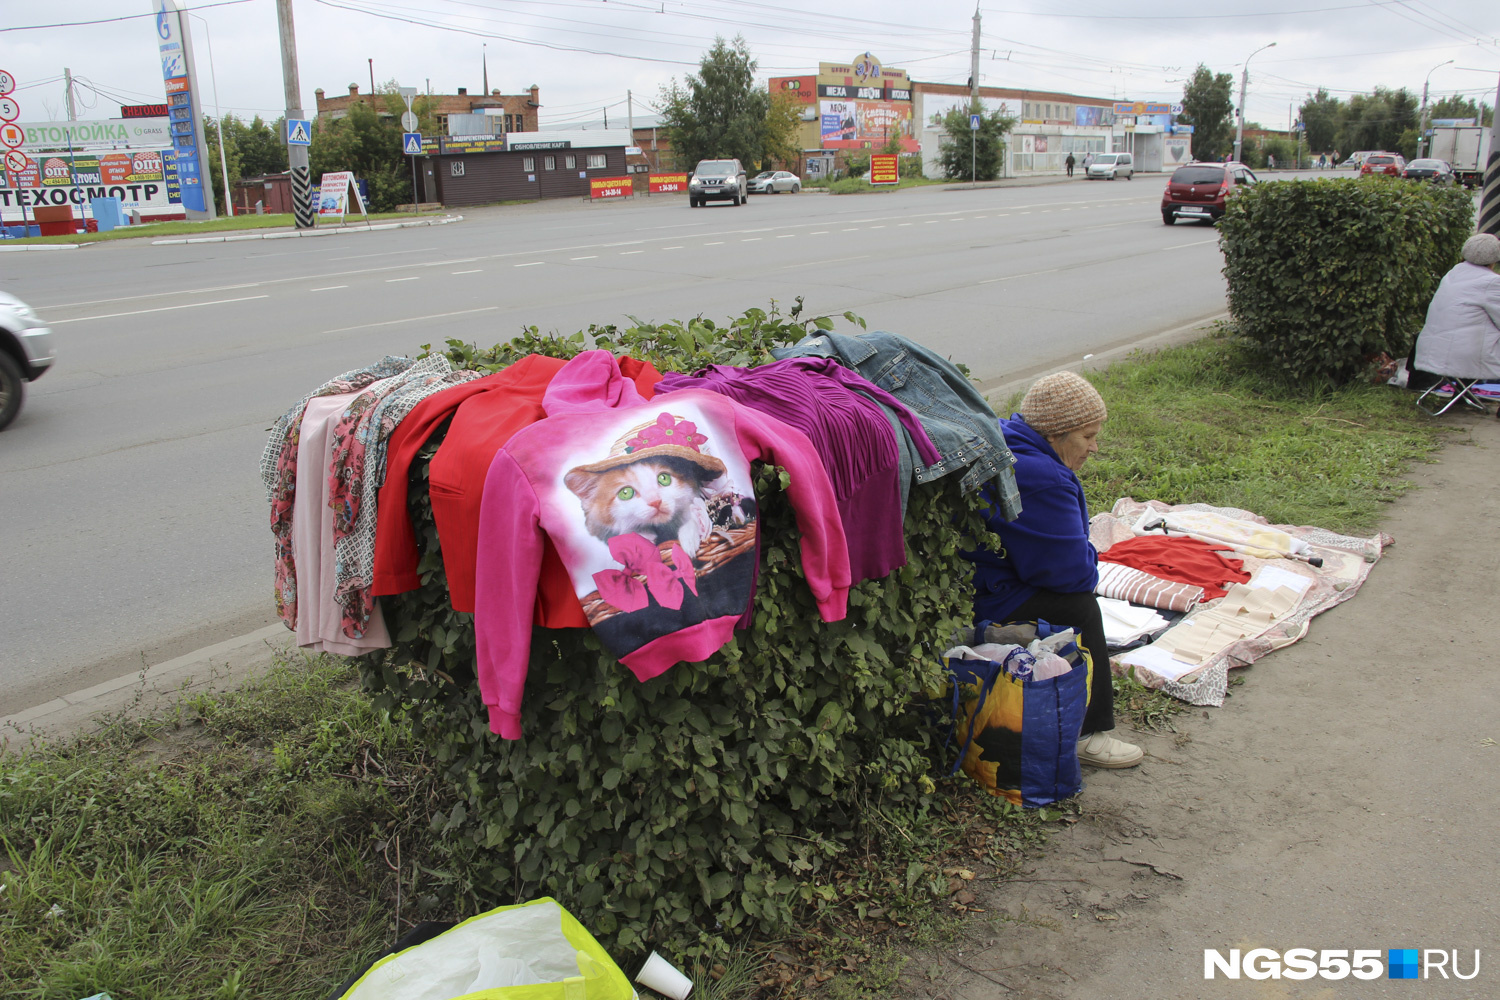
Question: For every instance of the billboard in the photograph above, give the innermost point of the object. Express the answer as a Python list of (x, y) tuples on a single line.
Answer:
[(861, 104), (139, 180), (179, 78), (126, 132)]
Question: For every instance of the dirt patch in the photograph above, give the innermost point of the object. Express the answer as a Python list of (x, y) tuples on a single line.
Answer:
[(1346, 796)]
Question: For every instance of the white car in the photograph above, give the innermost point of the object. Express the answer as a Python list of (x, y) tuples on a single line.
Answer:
[(1108, 166), (775, 182), (25, 353)]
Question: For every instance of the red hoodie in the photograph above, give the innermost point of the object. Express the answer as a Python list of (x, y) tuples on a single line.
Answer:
[(650, 507), (486, 413)]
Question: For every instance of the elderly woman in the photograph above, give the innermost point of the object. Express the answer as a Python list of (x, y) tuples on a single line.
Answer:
[(1461, 338), (1046, 567)]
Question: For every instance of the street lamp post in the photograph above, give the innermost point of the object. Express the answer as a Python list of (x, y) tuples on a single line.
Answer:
[(1422, 135), (1239, 128)]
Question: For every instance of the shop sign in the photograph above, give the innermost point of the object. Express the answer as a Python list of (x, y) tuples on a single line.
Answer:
[(1146, 108), (666, 183), (885, 168), (610, 187), (101, 132), (179, 80), (23, 191), (473, 144), (143, 111), (333, 194), (556, 144)]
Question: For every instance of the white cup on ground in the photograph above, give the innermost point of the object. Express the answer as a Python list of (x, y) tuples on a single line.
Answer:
[(665, 978)]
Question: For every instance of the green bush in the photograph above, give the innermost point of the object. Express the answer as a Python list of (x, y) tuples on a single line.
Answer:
[(712, 800), (1323, 274)]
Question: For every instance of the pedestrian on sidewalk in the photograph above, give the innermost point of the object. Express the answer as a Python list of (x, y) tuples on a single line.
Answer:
[(1069, 164), (1088, 158), (1046, 568)]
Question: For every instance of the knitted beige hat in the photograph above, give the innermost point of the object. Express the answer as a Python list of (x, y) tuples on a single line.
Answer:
[(1482, 249), (1057, 403)]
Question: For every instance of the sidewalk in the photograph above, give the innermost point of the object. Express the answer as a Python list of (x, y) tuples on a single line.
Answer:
[(1346, 796)]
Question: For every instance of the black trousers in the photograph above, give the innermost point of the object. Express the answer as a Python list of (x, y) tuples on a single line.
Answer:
[(1079, 612)]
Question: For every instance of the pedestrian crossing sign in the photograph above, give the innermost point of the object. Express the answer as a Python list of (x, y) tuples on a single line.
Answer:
[(411, 143), (298, 132)]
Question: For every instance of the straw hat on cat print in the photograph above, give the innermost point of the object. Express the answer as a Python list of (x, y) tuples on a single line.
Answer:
[(667, 436)]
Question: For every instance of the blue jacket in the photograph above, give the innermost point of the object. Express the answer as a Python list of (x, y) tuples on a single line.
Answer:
[(1047, 547), (955, 416)]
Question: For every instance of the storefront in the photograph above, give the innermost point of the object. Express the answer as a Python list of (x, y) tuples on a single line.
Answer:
[(1048, 126), (480, 170), (858, 105)]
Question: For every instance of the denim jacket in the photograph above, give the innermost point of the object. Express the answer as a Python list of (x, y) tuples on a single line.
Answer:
[(960, 423)]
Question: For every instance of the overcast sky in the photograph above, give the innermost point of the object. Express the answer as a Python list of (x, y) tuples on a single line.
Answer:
[(585, 54)]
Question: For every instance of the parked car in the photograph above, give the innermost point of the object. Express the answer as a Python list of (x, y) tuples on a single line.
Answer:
[(1108, 166), (775, 182), (25, 353), (1428, 170), (1390, 164), (1357, 159), (1200, 190), (718, 180)]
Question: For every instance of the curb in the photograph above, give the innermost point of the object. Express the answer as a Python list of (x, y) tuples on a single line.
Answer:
[(42, 246), (154, 687), (300, 233)]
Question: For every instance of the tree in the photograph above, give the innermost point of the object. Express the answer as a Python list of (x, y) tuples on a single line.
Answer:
[(369, 144), (1321, 115), (1206, 105), (718, 113), (968, 155), (783, 123), (1458, 107), (1385, 119)]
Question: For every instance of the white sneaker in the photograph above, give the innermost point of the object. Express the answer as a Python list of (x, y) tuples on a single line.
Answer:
[(1103, 750)]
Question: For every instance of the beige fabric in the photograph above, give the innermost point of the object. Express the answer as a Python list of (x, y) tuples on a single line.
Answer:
[(1057, 403)]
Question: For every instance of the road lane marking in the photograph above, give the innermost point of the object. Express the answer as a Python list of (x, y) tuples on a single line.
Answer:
[(793, 236), (142, 312), (932, 222), (1012, 277), (588, 257), (872, 227), (409, 319), (820, 232), (678, 247), (531, 264), (752, 239), (715, 243), (623, 253), (900, 224), (388, 253), (474, 271), (836, 260), (413, 277), (1198, 243), (852, 229), (327, 288)]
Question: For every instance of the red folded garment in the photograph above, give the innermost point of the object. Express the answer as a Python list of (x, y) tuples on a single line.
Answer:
[(1180, 558)]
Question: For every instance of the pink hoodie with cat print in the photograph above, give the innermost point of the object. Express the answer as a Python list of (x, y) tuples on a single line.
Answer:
[(651, 507)]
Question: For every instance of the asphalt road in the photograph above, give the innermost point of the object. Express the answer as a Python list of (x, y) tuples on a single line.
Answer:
[(132, 515)]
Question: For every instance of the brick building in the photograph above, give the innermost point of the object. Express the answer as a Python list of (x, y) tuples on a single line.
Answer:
[(519, 111)]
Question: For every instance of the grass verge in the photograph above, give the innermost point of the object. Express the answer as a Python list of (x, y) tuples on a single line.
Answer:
[(861, 185), (270, 840), (153, 230)]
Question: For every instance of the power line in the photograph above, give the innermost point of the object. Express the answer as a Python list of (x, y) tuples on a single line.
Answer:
[(112, 20)]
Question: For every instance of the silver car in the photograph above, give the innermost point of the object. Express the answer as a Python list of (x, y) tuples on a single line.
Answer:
[(775, 182), (1108, 166), (718, 180), (25, 353)]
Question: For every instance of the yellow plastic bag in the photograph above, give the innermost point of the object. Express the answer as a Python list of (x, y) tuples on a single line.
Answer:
[(530, 951)]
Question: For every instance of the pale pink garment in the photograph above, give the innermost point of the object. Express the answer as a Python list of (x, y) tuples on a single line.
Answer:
[(319, 617)]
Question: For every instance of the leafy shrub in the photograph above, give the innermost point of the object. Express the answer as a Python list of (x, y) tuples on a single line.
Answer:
[(714, 799), (1324, 273)]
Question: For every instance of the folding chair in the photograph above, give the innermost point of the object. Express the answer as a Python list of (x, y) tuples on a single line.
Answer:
[(1462, 390)]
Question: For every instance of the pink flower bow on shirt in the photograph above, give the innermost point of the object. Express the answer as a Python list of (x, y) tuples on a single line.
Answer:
[(624, 590), (667, 430)]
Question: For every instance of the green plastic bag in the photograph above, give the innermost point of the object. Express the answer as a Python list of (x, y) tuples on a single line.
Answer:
[(530, 951)]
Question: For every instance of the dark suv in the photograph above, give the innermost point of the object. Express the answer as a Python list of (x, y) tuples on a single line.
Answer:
[(718, 180), (1198, 190)]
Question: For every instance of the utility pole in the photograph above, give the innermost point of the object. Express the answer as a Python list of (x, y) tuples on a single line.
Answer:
[(372, 82), (1239, 128), (1422, 134), (606, 115), (630, 115), (974, 63), (68, 82), (1489, 201), (296, 155)]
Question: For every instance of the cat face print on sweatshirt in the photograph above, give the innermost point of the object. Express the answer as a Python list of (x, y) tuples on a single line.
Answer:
[(666, 515)]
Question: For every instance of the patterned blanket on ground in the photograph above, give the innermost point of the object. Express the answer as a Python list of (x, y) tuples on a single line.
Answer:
[(1347, 561)]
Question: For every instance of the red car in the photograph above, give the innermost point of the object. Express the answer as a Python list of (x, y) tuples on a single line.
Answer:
[(1198, 190), (1390, 164)]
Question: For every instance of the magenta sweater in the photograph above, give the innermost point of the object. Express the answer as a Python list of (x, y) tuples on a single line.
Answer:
[(650, 506)]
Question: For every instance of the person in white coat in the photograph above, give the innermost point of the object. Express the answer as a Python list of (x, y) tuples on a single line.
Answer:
[(1461, 338)]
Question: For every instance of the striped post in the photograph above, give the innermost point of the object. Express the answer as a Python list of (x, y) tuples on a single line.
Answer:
[(302, 205), (1489, 201)]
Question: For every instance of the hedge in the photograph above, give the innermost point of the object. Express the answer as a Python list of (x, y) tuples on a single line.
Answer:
[(713, 800), (1323, 274)]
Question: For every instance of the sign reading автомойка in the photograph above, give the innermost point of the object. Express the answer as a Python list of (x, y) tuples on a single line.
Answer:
[(143, 132)]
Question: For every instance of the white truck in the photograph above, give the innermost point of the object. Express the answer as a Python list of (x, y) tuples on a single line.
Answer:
[(1465, 148)]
